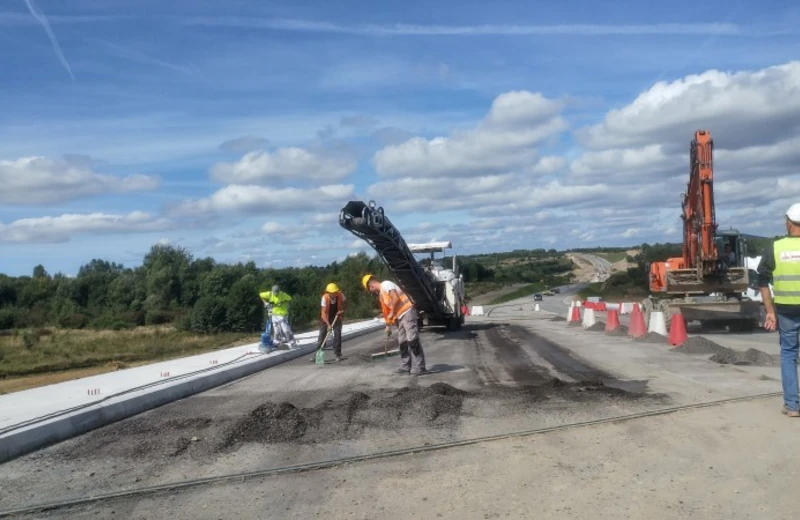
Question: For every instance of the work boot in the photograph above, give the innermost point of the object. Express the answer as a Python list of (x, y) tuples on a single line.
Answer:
[(403, 371), (339, 359), (421, 372), (790, 413)]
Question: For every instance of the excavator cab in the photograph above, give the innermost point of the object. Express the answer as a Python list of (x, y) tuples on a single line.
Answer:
[(731, 248)]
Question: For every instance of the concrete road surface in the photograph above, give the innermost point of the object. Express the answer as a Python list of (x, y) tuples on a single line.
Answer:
[(601, 266), (512, 371)]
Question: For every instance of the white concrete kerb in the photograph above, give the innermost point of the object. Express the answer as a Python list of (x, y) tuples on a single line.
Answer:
[(35, 418)]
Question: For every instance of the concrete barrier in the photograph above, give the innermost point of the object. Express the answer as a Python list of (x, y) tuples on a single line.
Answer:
[(28, 423)]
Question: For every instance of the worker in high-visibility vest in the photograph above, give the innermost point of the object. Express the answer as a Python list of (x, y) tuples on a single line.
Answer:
[(780, 264), (332, 307), (278, 302), (399, 311)]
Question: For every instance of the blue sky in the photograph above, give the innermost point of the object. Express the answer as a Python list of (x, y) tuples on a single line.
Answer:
[(239, 129)]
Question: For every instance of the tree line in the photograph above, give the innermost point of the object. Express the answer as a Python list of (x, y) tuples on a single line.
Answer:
[(205, 296), (197, 294)]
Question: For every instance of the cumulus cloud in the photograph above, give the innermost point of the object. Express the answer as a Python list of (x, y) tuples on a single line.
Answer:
[(740, 108), (63, 227), (291, 163), (42, 180), (504, 140), (262, 200)]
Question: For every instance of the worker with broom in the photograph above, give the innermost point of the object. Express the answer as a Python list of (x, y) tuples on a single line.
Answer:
[(398, 310), (332, 310)]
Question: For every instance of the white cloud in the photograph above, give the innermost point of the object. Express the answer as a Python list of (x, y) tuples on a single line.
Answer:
[(290, 163), (505, 140), (262, 200), (400, 29), (549, 165), (62, 228), (41, 180), (739, 108)]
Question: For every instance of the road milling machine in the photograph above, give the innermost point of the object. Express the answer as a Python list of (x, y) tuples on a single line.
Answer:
[(435, 288), (708, 282)]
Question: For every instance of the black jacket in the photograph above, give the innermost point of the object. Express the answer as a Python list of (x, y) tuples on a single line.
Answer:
[(765, 268)]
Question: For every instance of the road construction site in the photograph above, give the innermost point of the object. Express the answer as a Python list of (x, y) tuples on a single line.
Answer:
[(521, 414)]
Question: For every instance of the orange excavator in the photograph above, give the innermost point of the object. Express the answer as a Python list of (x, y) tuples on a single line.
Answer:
[(708, 281)]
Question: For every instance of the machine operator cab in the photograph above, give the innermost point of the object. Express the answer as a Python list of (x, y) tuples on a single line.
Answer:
[(731, 248), (442, 271)]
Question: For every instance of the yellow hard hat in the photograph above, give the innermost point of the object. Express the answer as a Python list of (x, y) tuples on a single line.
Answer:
[(365, 280), (332, 288)]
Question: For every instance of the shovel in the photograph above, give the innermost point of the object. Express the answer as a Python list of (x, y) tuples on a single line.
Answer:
[(320, 357)]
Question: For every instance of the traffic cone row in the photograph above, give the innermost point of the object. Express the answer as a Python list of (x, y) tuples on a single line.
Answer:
[(676, 336)]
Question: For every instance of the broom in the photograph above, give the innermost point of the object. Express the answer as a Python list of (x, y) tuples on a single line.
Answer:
[(319, 359), (386, 352)]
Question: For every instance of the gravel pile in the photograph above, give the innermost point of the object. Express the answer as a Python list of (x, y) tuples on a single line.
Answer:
[(700, 345), (750, 356), (598, 326), (622, 330), (652, 337), (725, 355), (437, 405)]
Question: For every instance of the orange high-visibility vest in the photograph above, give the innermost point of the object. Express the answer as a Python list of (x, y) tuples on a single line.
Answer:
[(327, 299), (394, 303)]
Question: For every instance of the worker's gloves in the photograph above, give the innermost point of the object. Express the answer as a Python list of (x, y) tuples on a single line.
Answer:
[(388, 330)]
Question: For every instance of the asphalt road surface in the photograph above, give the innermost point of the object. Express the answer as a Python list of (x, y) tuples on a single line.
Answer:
[(509, 372)]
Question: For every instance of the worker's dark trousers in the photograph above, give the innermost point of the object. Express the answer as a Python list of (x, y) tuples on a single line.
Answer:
[(410, 345), (337, 336)]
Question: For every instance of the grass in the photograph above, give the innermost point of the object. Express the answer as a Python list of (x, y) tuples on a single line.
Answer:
[(522, 292), (47, 351), (475, 289)]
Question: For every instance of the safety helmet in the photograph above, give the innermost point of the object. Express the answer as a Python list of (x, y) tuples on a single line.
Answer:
[(365, 280), (793, 213), (332, 288)]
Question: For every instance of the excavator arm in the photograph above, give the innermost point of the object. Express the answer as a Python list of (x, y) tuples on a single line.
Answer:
[(699, 218)]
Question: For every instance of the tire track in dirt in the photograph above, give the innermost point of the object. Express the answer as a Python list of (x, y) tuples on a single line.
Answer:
[(514, 359), (561, 359)]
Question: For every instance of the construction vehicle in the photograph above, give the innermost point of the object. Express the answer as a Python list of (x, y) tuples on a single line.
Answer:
[(436, 290), (704, 284)]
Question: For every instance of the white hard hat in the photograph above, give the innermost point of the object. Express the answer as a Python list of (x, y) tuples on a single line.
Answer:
[(793, 213)]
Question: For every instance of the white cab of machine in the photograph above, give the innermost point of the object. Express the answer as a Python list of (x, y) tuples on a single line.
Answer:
[(436, 267)]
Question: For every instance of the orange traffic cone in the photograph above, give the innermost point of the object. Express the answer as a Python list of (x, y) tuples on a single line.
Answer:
[(637, 327), (612, 323), (575, 317), (677, 330)]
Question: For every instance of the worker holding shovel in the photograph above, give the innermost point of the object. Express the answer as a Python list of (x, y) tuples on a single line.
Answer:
[(331, 313), (398, 310)]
